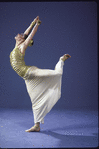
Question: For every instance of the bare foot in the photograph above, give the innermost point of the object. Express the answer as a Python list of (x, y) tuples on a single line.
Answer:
[(65, 57), (33, 129)]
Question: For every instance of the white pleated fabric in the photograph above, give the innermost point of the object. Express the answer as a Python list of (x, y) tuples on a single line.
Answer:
[(44, 89)]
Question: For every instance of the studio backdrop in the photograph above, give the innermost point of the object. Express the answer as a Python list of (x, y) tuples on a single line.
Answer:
[(67, 27)]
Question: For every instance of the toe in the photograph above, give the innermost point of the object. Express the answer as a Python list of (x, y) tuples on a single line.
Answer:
[(27, 130)]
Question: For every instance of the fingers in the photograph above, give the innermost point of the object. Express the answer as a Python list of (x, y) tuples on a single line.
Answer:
[(37, 20), (37, 17)]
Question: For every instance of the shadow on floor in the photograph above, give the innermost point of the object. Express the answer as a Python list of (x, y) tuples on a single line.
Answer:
[(73, 140)]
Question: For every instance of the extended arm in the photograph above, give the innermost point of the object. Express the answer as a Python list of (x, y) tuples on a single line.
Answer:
[(31, 35), (28, 30), (25, 44)]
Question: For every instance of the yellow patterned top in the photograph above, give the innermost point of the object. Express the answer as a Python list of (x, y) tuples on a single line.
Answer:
[(17, 62)]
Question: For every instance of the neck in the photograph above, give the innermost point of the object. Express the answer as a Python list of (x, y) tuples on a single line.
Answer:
[(18, 43)]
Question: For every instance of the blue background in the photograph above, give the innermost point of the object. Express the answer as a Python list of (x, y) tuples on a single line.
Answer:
[(67, 27)]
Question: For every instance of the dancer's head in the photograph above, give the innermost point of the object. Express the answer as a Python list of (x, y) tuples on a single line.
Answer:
[(22, 37)]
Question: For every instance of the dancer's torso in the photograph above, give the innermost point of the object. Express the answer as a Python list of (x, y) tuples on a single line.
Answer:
[(17, 62)]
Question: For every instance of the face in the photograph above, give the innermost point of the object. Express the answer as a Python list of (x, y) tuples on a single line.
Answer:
[(19, 36)]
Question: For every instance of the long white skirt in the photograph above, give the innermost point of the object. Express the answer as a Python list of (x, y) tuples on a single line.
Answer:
[(44, 89)]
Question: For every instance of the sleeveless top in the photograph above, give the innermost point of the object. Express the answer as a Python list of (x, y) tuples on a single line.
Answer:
[(17, 62)]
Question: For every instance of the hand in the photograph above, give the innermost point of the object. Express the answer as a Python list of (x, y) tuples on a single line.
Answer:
[(38, 22), (36, 19)]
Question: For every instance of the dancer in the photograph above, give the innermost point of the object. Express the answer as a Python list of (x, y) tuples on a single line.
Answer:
[(43, 85)]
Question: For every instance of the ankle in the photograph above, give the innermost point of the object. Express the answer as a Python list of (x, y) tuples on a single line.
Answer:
[(37, 124)]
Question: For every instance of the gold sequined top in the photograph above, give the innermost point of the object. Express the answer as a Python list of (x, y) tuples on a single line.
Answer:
[(17, 62)]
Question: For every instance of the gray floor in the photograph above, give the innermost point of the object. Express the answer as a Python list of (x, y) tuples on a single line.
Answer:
[(61, 128)]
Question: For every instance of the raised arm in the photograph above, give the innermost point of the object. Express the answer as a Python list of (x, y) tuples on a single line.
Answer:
[(31, 35), (28, 30), (25, 44)]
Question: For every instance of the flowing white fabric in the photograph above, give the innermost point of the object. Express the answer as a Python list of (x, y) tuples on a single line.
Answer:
[(44, 89)]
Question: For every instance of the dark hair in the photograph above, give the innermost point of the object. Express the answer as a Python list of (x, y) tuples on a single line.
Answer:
[(25, 36)]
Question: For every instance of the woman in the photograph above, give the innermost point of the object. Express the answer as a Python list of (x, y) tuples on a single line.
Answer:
[(43, 85)]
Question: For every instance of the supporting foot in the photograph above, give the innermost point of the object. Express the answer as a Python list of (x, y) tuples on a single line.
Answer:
[(33, 129)]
